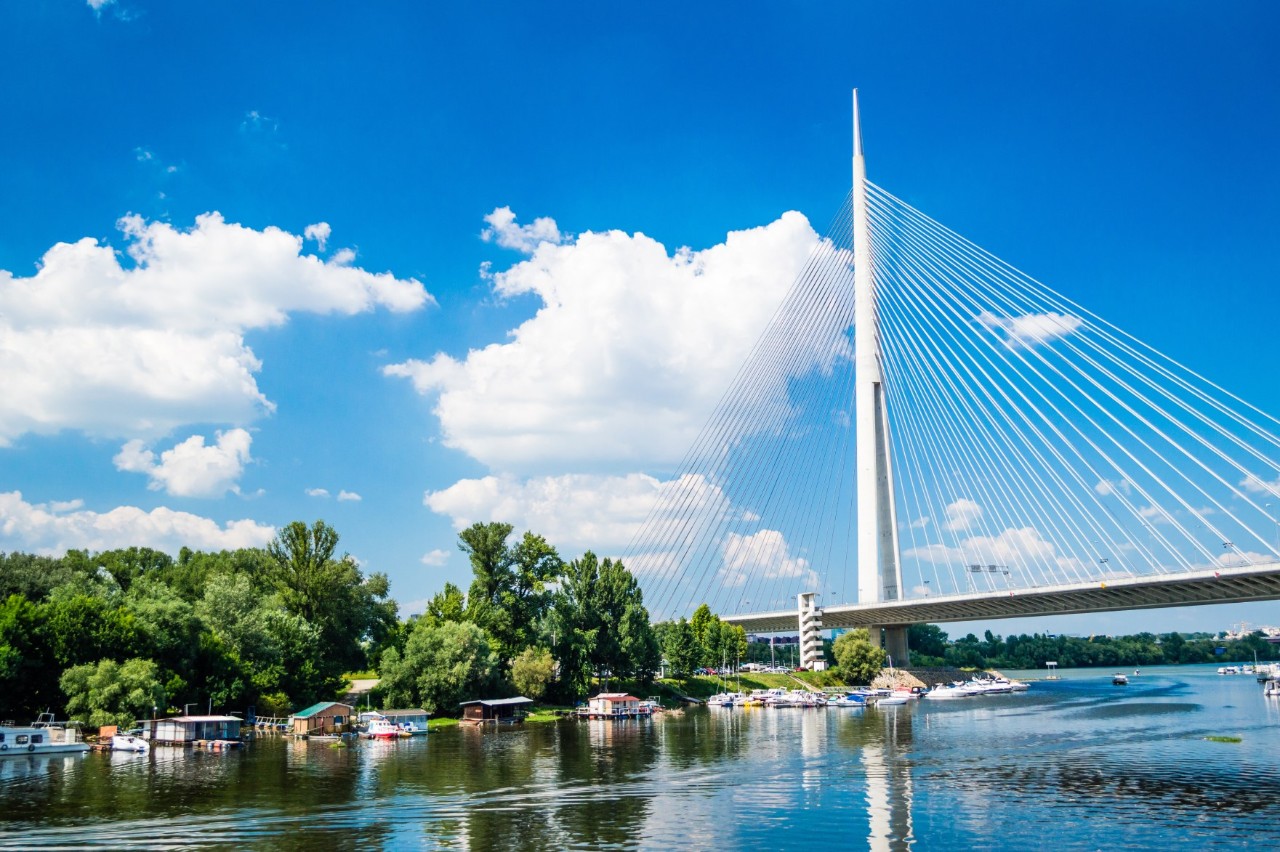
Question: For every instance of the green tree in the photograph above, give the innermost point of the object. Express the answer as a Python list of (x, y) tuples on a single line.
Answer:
[(31, 576), (531, 672), (449, 604), (857, 659), (331, 595), (441, 665), (108, 693), (928, 640), (681, 649), (28, 670)]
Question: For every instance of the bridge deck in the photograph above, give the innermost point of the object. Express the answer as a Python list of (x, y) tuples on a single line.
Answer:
[(1223, 585)]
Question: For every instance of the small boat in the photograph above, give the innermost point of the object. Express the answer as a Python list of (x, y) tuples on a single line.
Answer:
[(1272, 688), (382, 729), (893, 698), (851, 699), (1119, 679), (129, 742)]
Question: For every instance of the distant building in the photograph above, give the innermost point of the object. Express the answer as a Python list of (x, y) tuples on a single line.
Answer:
[(413, 720), (327, 717)]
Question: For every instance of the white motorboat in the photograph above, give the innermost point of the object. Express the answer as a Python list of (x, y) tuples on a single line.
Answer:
[(851, 699), (945, 692), (1119, 679), (129, 742), (894, 698), (382, 729), (43, 736), (1272, 688)]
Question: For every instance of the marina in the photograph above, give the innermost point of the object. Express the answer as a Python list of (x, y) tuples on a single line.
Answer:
[(1133, 768)]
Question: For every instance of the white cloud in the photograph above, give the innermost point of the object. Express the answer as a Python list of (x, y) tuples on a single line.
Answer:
[(139, 348), (762, 554), (66, 505), (96, 5), (630, 351), (317, 492), (962, 514), (319, 233), (349, 497), (191, 469), (523, 238), (580, 511), (1030, 329), (44, 529), (1258, 485), (1107, 487), (435, 557)]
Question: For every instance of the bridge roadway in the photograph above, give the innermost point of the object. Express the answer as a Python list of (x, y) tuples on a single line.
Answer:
[(1235, 584)]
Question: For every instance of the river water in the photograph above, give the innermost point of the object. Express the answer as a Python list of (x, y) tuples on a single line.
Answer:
[(1074, 763)]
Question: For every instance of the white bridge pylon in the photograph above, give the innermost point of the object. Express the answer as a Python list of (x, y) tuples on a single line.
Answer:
[(922, 425)]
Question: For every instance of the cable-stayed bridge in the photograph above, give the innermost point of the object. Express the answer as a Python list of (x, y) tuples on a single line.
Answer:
[(930, 434)]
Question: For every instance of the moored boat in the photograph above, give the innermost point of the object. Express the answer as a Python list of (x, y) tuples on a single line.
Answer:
[(382, 729), (43, 736), (129, 742)]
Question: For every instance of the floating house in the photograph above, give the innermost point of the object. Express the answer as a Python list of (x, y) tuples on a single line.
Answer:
[(413, 720), (616, 705), (327, 717), (186, 730), (494, 710)]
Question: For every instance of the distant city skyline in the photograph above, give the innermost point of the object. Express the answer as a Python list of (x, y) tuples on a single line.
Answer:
[(408, 268)]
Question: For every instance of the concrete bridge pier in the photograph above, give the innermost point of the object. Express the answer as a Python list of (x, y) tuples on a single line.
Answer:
[(894, 642)]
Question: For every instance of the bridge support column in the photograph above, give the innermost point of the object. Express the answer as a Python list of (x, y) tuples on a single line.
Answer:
[(894, 642), (810, 632)]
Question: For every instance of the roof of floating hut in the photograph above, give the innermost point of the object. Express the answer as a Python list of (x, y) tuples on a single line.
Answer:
[(196, 719), (318, 708), (407, 711), (614, 696), (498, 702)]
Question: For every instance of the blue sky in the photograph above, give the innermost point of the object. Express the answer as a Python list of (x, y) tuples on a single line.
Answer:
[(1124, 153)]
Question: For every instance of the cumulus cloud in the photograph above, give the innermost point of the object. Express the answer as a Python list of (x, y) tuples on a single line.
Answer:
[(191, 469), (523, 238), (139, 347), (318, 233), (762, 554), (45, 529), (1107, 487), (435, 557), (625, 359), (1030, 329), (579, 511), (962, 514), (1258, 485), (349, 497), (317, 492), (97, 5)]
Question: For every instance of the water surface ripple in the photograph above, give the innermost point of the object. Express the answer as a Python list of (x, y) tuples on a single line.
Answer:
[(1071, 764)]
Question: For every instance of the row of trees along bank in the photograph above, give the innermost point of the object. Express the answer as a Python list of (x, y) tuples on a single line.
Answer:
[(930, 646), (115, 636)]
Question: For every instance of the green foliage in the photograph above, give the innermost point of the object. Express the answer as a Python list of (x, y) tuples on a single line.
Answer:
[(441, 666), (857, 660), (682, 650), (108, 693), (449, 604), (30, 576), (508, 596), (601, 626), (531, 672), (332, 597)]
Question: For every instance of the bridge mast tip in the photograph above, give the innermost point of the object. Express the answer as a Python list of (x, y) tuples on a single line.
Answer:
[(857, 127)]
